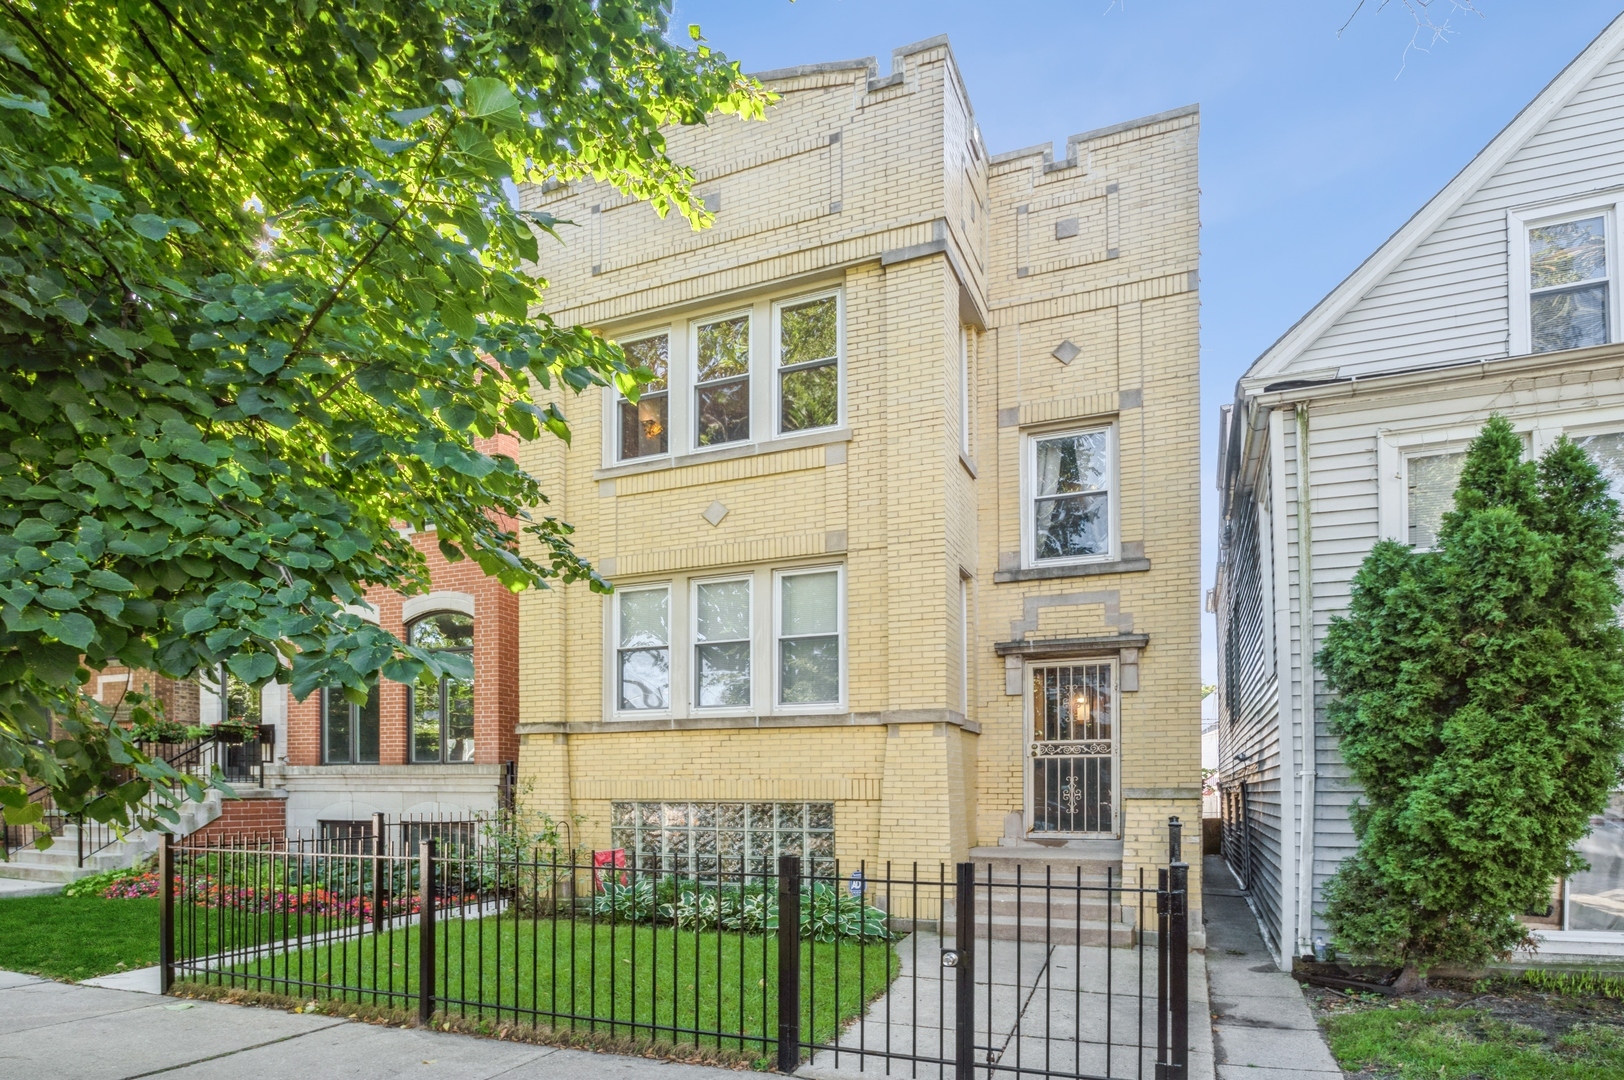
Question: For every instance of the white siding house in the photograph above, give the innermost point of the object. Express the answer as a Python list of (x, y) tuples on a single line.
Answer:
[(1501, 295)]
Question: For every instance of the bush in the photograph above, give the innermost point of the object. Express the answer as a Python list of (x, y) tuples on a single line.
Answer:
[(1480, 692), (138, 880), (827, 913)]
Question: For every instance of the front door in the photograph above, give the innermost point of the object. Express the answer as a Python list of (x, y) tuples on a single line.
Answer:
[(1071, 777)]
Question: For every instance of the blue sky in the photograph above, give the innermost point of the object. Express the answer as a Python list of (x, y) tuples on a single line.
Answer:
[(1314, 147)]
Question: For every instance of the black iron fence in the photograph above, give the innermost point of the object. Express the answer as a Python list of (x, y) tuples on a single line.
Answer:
[(945, 972)]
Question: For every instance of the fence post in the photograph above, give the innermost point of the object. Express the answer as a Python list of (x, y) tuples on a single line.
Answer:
[(166, 914), (378, 867), (425, 932), (1161, 973), (789, 963), (964, 987), (1178, 964)]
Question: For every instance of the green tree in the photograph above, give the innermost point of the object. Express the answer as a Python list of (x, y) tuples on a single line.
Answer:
[(265, 302), (1480, 688)]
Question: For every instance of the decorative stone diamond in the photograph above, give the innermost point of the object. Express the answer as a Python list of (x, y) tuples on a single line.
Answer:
[(715, 512), (1065, 352)]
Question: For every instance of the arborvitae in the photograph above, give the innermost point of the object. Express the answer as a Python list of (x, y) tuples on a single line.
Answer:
[(1479, 694)]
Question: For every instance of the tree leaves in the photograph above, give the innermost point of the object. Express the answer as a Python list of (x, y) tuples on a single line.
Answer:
[(264, 300)]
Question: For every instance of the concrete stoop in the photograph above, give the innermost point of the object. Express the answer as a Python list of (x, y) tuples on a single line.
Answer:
[(59, 863)]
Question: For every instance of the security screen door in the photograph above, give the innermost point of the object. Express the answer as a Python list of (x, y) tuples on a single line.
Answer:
[(1071, 787)]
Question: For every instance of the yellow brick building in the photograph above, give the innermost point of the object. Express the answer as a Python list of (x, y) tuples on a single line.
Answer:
[(906, 542)]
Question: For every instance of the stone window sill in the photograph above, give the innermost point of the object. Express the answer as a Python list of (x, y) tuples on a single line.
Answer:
[(1046, 573), (726, 453)]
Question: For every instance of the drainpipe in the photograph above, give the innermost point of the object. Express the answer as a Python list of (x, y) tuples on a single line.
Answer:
[(1305, 593), (1281, 544)]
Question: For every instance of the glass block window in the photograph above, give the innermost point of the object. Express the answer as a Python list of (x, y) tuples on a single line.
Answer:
[(1431, 494), (711, 840), (1567, 281)]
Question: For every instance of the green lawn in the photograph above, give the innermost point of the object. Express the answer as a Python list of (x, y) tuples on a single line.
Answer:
[(504, 970), (1467, 1044), (77, 937)]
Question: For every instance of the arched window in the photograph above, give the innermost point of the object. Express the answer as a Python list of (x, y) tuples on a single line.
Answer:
[(441, 711)]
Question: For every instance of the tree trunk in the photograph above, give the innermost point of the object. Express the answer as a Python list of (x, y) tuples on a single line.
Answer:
[(1409, 980)]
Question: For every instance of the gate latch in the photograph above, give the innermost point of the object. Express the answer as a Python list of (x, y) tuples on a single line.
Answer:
[(950, 958)]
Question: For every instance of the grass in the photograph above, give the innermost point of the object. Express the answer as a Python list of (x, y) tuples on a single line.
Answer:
[(1448, 1043), (77, 937), (698, 988)]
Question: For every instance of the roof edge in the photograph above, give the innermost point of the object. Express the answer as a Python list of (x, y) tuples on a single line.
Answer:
[(1510, 138), (1072, 141)]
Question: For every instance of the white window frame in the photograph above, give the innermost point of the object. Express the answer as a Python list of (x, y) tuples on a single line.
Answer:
[(777, 635), (964, 644), (616, 397), (752, 378), (775, 392), (693, 644), (1113, 488), (673, 653), (1518, 223), (1394, 448)]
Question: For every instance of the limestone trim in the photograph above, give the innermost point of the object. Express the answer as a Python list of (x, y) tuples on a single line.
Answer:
[(747, 723), (1044, 573), (1055, 648), (664, 474), (439, 600)]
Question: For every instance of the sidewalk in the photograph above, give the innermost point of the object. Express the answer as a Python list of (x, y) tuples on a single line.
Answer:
[(1261, 1026), (77, 1032)]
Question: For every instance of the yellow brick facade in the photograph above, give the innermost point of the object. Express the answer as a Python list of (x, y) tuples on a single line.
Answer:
[(879, 190)]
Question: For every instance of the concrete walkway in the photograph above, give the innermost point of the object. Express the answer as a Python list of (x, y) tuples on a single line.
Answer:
[(1046, 1008), (1261, 1026), (68, 1032)]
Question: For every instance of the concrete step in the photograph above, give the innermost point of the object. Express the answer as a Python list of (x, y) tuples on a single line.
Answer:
[(59, 875), (1034, 908)]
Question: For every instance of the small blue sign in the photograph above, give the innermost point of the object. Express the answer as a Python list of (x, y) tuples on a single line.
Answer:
[(856, 886)]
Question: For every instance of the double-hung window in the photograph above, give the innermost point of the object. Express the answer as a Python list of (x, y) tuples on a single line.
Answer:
[(643, 653), (349, 732), (1568, 284), (722, 381), (1430, 481), (645, 424), (808, 637), (722, 644), (1069, 489), (809, 364)]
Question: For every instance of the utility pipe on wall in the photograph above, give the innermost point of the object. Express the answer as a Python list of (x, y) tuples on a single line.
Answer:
[(1305, 571)]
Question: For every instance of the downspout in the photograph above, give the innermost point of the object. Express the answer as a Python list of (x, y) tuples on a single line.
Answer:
[(1305, 593), (1281, 544)]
